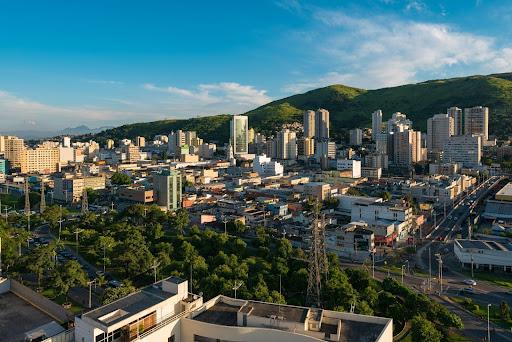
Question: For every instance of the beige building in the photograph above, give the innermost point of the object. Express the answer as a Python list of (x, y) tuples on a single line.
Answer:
[(132, 153), (140, 141), (317, 190), (70, 188), (440, 128), (407, 148), (286, 145), (309, 124), (456, 114), (322, 124)]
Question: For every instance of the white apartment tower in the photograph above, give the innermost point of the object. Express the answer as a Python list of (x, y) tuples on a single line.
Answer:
[(476, 121), (240, 134), (286, 145), (398, 123), (456, 114), (309, 124), (440, 128), (376, 123)]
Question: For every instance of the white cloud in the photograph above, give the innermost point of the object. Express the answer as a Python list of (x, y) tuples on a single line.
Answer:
[(381, 51), (217, 93), (19, 113)]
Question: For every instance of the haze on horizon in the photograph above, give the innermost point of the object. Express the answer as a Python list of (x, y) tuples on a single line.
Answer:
[(64, 64)]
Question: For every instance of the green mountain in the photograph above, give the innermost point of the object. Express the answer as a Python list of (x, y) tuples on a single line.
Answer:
[(352, 107)]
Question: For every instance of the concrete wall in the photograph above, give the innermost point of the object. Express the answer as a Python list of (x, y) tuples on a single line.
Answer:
[(190, 327), (52, 309), (5, 285)]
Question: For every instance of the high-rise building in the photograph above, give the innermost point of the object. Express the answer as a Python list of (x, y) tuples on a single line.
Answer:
[(356, 137), (132, 153), (167, 188), (140, 141), (176, 141), (109, 144), (440, 128), (325, 149), (306, 147), (251, 135), (240, 134), (456, 114), (398, 123), (309, 124), (465, 149), (376, 123), (189, 136), (66, 142), (15, 151), (322, 124), (476, 122), (4, 166), (286, 145), (406, 148)]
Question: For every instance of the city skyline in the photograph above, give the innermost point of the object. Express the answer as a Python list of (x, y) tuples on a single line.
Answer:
[(65, 65)]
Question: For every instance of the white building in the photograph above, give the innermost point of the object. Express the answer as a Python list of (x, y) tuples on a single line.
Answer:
[(398, 123), (286, 145), (464, 149), (168, 312), (354, 166), (322, 124), (483, 254), (264, 166), (440, 128), (406, 148)]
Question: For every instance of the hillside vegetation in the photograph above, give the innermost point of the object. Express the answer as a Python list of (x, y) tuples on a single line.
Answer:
[(352, 107)]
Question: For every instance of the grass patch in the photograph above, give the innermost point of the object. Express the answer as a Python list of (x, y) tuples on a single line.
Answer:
[(51, 293), (502, 280), (481, 311)]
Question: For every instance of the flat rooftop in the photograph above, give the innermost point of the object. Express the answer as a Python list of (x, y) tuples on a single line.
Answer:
[(18, 317), (485, 245), (505, 193), (128, 306), (222, 313)]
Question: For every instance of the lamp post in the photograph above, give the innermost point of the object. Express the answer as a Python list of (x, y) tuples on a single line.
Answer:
[(488, 323), (237, 286), (403, 266)]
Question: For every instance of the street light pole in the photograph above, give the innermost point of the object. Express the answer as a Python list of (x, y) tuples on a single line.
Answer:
[(429, 270), (488, 323), (403, 266)]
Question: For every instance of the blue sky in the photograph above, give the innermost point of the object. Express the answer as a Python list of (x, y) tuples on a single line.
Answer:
[(66, 63)]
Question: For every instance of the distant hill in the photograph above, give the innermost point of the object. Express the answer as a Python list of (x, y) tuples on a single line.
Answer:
[(352, 107), (72, 131)]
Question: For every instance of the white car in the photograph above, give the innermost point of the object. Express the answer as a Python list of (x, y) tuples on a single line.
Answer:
[(470, 282)]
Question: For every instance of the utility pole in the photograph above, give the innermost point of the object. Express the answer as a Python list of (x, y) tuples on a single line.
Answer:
[(373, 264), (90, 291), (60, 220), (42, 203), (318, 264), (240, 283), (225, 221), (440, 272), (488, 323), (27, 203), (403, 266), (429, 270), (155, 265), (472, 272), (77, 231), (85, 202)]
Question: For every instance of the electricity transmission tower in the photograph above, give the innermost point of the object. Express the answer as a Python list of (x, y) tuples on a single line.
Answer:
[(27, 203), (85, 202), (318, 264), (42, 203)]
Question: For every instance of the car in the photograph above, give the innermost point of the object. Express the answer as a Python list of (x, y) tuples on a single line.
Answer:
[(115, 283), (99, 273), (468, 290), (470, 282)]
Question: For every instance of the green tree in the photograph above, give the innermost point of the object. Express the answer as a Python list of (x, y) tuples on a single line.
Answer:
[(119, 178), (180, 220), (114, 293), (504, 311), (41, 260), (53, 213), (423, 330), (133, 253), (70, 275)]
